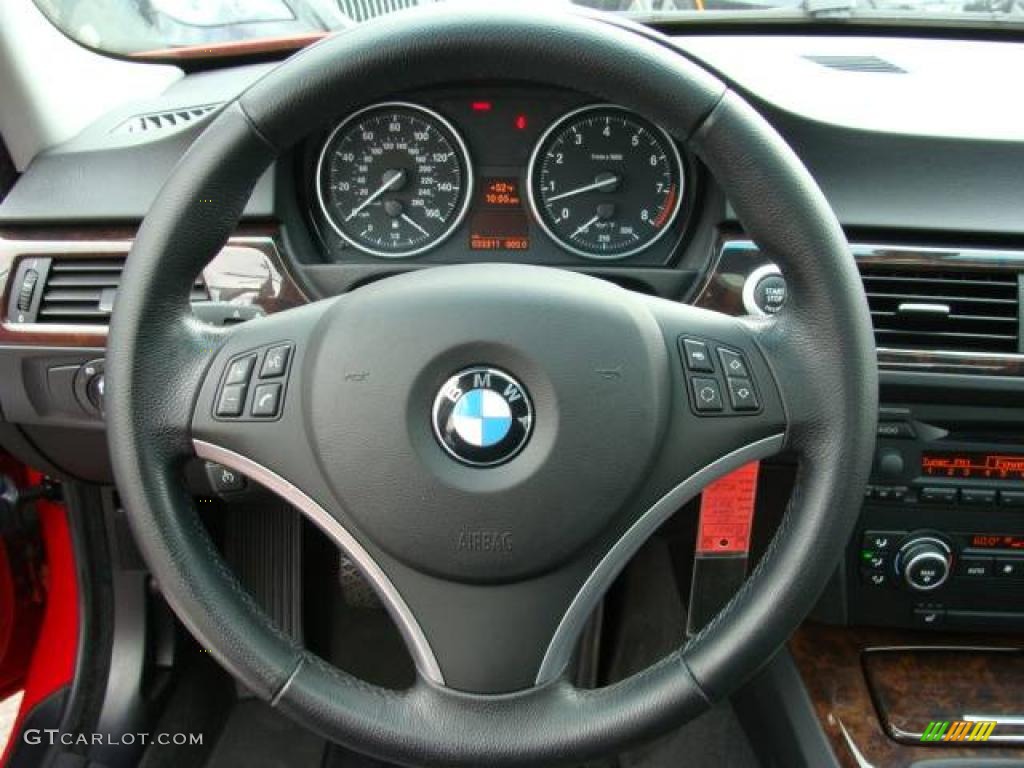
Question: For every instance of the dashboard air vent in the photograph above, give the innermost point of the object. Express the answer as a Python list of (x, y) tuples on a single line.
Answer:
[(363, 10), (858, 64), (943, 310), (159, 121), (81, 291)]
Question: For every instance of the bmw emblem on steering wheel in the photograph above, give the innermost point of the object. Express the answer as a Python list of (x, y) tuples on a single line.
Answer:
[(482, 416)]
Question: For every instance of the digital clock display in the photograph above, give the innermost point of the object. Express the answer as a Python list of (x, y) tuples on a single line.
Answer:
[(502, 193), (499, 221), (976, 466)]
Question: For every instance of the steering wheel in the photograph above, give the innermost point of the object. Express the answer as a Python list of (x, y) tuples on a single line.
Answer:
[(490, 556)]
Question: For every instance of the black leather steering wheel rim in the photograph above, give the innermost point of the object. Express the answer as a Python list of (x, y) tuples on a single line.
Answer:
[(158, 357)]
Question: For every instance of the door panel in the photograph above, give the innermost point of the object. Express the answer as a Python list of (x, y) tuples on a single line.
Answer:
[(21, 594), (38, 597)]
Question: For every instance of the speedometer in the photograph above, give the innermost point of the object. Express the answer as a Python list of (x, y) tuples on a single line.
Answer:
[(394, 179), (605, 183)]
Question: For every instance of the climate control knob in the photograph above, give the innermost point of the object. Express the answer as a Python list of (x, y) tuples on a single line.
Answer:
[(924, 562)]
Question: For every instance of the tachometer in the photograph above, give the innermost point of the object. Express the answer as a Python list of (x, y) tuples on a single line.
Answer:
[(605, 183), (394, 179)]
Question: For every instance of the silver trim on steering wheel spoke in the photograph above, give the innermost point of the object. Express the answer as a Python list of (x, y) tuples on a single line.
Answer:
[(563, 642), (419, 648)]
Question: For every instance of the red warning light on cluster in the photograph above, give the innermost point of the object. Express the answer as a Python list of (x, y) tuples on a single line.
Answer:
[(521, 122), (481, 106)]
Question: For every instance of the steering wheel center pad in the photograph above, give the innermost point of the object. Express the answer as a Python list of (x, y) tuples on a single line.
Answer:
[(591, 360)]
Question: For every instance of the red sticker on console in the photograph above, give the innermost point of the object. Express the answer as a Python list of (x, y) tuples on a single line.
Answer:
[(727, 512)]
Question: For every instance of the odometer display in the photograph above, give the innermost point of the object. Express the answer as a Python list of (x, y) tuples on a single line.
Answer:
[(605, 183), (394, 179)]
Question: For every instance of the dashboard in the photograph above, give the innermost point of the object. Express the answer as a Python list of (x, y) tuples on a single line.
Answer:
[(928, 192), (527, 174)]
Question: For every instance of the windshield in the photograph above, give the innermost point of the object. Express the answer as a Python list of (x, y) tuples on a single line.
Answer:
[(159, 28)]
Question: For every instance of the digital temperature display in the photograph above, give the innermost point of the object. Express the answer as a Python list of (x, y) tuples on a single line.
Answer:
[(976, 466), (996, 541), (502, 193), (499, 221)]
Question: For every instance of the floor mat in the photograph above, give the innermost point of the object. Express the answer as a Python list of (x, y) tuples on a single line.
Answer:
[(199, 705)]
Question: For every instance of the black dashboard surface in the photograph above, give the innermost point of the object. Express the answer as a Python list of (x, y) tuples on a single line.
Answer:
[(887, 187), (873, 179)]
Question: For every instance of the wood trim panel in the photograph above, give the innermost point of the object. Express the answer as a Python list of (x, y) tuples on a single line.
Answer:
[(831, 661), (248, 271), (722, 291), (912, 687), (233, 48)]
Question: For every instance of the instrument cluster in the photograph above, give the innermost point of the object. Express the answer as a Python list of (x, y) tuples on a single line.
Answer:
[(512, 174)]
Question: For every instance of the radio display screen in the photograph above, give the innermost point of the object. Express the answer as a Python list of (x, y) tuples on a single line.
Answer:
[(975, 466)]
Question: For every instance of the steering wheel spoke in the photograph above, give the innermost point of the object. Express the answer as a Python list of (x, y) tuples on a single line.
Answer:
[(250, 400), (726, 394), (726, 411)]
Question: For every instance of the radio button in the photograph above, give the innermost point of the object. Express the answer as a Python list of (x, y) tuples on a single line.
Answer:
[(1011, 498), (895, 430), (939, 495), (890, 464), (975, 567), (977, 496), (1010, 567), (890, 492)]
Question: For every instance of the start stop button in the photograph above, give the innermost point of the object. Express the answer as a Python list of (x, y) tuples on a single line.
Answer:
[(764, 292)]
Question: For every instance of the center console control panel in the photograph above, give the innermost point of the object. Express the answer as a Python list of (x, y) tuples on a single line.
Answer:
[(940, 541)]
